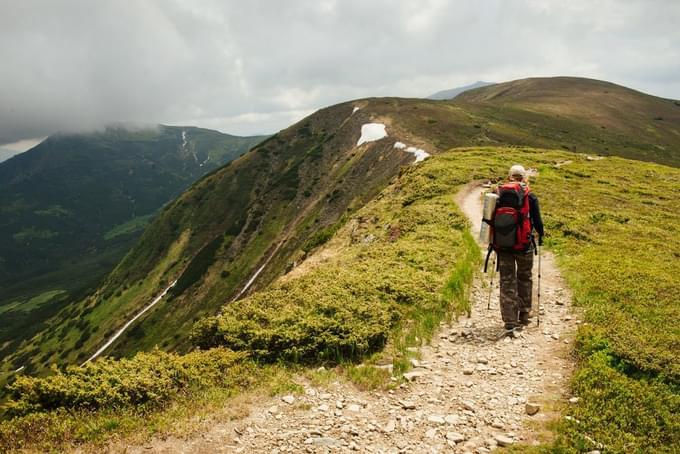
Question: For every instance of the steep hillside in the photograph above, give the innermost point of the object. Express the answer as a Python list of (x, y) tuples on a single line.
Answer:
[(255, 219), (378, 289), (569, 112), (74, 204)]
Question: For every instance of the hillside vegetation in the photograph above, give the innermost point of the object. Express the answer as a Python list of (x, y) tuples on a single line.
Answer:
[(73, 205), (276, 204), (610, 221), (579, 114), (413, 241)]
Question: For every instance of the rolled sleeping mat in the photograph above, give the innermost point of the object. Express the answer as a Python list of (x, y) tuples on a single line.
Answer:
[(490, 200)]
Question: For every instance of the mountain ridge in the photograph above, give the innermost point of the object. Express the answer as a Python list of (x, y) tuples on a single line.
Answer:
[(451, 93), (290, 194)]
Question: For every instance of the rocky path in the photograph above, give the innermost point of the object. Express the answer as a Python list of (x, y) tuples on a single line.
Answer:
[(468, 393)]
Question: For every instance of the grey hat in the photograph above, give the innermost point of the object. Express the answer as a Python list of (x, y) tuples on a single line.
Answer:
[(517, 171)]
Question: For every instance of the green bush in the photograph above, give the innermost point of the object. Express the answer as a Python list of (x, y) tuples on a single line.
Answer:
[(349, 307), (147, 378), (301, 322)]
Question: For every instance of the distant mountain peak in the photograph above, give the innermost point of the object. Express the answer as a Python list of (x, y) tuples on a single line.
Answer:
[(453, 92)]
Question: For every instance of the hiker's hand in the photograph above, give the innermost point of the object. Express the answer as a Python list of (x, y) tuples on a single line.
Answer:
[(540, 240)]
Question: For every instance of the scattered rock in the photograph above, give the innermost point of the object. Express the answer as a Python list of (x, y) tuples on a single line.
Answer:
[(531, 408), (462, 394), (469, 405), (324, 441), (502, 440), (436, 419), (407, 404), (455, 437), (452, 419), (412, 376)]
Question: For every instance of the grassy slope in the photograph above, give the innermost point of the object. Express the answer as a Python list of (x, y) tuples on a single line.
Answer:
[(300, 181), (581, 115), (299, 186), (420, 267), (611, 242), (613, 223), (73, 205)]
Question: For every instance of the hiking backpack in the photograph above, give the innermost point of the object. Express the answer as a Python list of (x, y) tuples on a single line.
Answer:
[(511, 224)]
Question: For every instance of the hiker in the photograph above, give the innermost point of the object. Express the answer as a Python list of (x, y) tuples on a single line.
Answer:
[(514, 243)]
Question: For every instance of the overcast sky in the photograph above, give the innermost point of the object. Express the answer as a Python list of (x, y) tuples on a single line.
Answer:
[(249, 67)]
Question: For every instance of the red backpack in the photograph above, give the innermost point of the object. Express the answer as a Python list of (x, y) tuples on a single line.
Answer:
[(511, 223)]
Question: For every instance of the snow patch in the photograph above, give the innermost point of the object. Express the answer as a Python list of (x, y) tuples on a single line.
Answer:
[(419, 153), (257, 273), (370, 132), (127, 325), (355, 110)]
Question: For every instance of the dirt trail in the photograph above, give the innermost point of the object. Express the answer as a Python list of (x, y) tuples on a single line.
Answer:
[(468, 393)]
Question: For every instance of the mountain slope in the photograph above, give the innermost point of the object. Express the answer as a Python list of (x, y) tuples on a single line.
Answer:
[(453, 92), (256, 218), (400, 264), (74, 204), (567, 112)]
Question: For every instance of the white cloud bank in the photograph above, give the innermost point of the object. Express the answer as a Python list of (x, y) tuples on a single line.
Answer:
[(255, 67)]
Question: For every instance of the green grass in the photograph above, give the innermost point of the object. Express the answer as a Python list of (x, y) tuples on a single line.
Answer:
[(397, 283), (404, 262), (407, 266), (614, 226), (67, 225), (133, 225), (31, 304)]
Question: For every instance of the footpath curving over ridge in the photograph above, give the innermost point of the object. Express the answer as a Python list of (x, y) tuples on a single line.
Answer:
[(467, 392)]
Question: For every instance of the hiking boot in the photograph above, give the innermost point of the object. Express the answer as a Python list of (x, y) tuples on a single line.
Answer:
[(510, 326), (524, 318)]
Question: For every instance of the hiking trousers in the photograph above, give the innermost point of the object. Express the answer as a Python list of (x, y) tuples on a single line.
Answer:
[(516, 283)]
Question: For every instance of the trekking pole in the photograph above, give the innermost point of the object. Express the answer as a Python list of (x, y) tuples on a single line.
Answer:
[(493, 271), (538, 294)]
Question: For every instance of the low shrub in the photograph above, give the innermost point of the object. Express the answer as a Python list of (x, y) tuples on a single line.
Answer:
[(147, 378), (353, 305)]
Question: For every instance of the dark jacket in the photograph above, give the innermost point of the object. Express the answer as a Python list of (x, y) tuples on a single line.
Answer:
[(535, 214)]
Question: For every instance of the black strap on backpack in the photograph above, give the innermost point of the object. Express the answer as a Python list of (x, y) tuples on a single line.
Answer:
[(486, 261)]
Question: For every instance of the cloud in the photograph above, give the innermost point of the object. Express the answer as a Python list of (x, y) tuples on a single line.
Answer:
[(254, 67)]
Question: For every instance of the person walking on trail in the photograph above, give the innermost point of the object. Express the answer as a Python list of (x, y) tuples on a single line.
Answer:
[(514, 243)]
